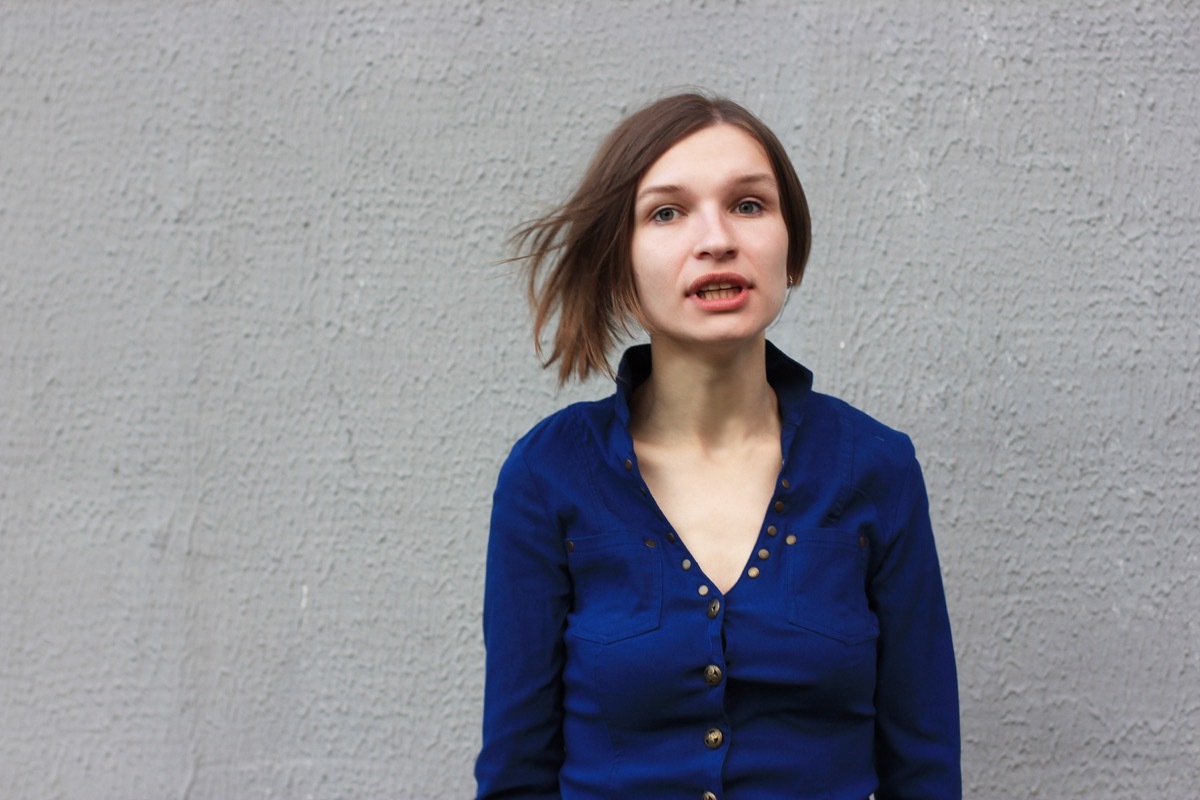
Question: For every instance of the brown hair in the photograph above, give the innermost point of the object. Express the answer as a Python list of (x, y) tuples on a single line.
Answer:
[(584, 245)]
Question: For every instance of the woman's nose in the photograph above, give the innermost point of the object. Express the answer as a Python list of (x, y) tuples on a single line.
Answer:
[(715, 238)]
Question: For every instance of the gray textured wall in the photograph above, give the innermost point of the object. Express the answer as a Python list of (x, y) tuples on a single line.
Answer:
[(258, 367)]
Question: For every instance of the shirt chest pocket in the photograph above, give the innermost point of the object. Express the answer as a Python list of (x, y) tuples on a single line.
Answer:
[(617, 580), (827, 594)]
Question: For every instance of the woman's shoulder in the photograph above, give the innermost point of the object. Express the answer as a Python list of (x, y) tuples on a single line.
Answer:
[(554, 458), (565, 430), (873, 461), (870, 439), (828, 422)]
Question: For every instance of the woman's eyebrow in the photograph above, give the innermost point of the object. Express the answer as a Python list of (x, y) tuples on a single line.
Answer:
[(753, 179), (650, 191), (757, 178)]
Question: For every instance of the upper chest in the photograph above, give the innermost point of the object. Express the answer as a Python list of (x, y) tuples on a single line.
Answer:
[(715, 502)]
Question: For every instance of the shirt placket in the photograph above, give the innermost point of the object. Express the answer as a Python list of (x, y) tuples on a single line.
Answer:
[(717, 736)]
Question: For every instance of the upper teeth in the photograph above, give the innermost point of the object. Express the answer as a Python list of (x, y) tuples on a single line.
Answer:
[(712, 287)]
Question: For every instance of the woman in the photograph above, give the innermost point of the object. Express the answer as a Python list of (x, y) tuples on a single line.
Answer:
[(650, 631)]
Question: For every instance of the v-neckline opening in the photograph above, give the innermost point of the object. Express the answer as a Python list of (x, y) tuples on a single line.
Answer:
[(757, 544)]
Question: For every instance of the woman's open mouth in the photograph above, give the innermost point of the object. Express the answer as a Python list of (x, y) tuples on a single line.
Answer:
[(720, 291)]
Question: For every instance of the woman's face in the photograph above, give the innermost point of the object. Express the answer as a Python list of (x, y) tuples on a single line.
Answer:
[(709, 242)]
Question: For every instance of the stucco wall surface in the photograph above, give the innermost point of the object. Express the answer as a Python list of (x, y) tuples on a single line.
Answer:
[(259, 366)]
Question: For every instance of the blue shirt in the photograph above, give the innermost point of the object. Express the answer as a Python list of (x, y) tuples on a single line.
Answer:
[(616, 669)]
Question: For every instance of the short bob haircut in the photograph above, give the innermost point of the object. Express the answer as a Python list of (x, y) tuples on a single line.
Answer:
[(584, 246)]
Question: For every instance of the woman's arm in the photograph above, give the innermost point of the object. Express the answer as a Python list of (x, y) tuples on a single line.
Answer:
[(917, 750), (526, 598)]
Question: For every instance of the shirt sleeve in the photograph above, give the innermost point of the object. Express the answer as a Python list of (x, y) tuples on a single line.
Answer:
[(917, 747), (526, 598)]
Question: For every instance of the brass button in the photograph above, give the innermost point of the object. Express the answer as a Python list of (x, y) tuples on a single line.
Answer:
[(703, 590), (785, 483), (670, 537), (651, 543), (752, 572), (708, 796), (714, 608), (628, 464), (764, 554), (687, 564), (862, 541), (772, 530), (570, 546), (779, 506), (791, 538), (712, 674), (713, 738)]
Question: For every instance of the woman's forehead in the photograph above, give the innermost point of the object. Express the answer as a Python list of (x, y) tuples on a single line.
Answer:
[(720, 153)]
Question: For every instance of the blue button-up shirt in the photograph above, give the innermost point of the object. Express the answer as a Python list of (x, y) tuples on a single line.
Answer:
[(616, 669)]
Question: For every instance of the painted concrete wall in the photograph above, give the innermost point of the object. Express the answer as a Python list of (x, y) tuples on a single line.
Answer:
[(258, 367)]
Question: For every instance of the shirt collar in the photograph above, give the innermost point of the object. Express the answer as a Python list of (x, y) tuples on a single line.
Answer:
[(791, 381)]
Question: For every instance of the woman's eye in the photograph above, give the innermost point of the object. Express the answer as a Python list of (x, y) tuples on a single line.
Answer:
[(664, 215), (749, 207)]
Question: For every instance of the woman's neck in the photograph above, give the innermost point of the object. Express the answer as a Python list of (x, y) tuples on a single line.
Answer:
[(711, 399)]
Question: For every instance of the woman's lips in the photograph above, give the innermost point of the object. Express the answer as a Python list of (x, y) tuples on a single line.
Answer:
[(719, 292)]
